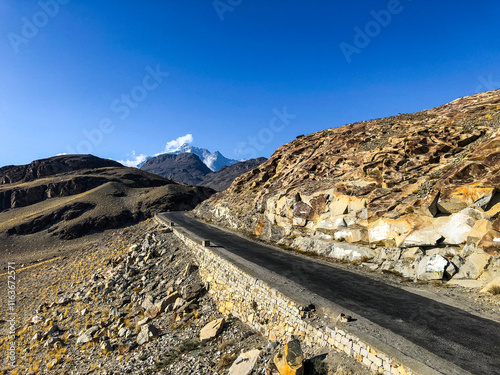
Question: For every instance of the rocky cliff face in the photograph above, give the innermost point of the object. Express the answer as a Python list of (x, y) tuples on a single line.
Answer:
[(417, 194)]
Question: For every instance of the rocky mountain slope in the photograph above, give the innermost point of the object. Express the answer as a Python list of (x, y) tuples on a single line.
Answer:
[(69, 196), (188, 168), (415, 194)]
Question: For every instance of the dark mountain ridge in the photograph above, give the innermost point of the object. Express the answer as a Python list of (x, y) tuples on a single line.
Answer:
[(185, 167), (51, 166)]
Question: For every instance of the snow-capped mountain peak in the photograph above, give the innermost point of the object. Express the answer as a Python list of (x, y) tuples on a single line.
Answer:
[(214, 161)]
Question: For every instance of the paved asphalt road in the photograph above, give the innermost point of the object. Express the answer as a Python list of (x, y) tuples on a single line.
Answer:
[(470, 342)]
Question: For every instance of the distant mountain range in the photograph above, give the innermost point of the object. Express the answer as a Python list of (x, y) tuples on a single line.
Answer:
[(213, 160), (189, 168)]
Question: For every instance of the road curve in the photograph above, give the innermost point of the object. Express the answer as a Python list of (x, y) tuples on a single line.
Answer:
[(470, 342)]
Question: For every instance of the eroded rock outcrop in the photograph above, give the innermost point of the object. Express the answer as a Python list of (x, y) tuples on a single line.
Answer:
[(393, 192)]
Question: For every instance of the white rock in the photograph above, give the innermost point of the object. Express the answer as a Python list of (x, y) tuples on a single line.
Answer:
[(351, 252), (458, 227), (36, 319), (83, 339), (427, 236), (350, 235), (326, 221), (388, 230), (432, 267), (244, 364)]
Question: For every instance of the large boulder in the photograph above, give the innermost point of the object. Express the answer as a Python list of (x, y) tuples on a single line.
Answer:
[(474, 265), (289, 360), (388, 232), (466, 196), (428, 236), (244, 364), (212, 329), (434, 267), (459, 226), (148, 332)]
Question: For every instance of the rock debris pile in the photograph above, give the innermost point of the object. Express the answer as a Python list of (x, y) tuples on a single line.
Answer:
[(134, 304)]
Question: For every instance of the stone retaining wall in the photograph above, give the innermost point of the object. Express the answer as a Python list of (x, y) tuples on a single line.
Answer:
[(275, 315)]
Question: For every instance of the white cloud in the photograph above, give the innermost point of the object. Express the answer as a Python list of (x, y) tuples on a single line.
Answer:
[(136, 160), (175, 144), (62, 153)]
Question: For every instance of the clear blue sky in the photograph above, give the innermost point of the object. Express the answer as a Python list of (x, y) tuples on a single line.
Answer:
[(70, 68)]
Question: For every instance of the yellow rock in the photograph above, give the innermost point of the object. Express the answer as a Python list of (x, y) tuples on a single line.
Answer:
[(465, 196), (470, 194), (212, 329), (494, 210), (356, 204), (289, 359), (339, 205), (480, 228)]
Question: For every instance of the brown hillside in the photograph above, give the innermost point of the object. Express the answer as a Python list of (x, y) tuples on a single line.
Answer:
[(39, 212)]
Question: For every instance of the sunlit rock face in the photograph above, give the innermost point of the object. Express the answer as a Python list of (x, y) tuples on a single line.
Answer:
[(427, 182)]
